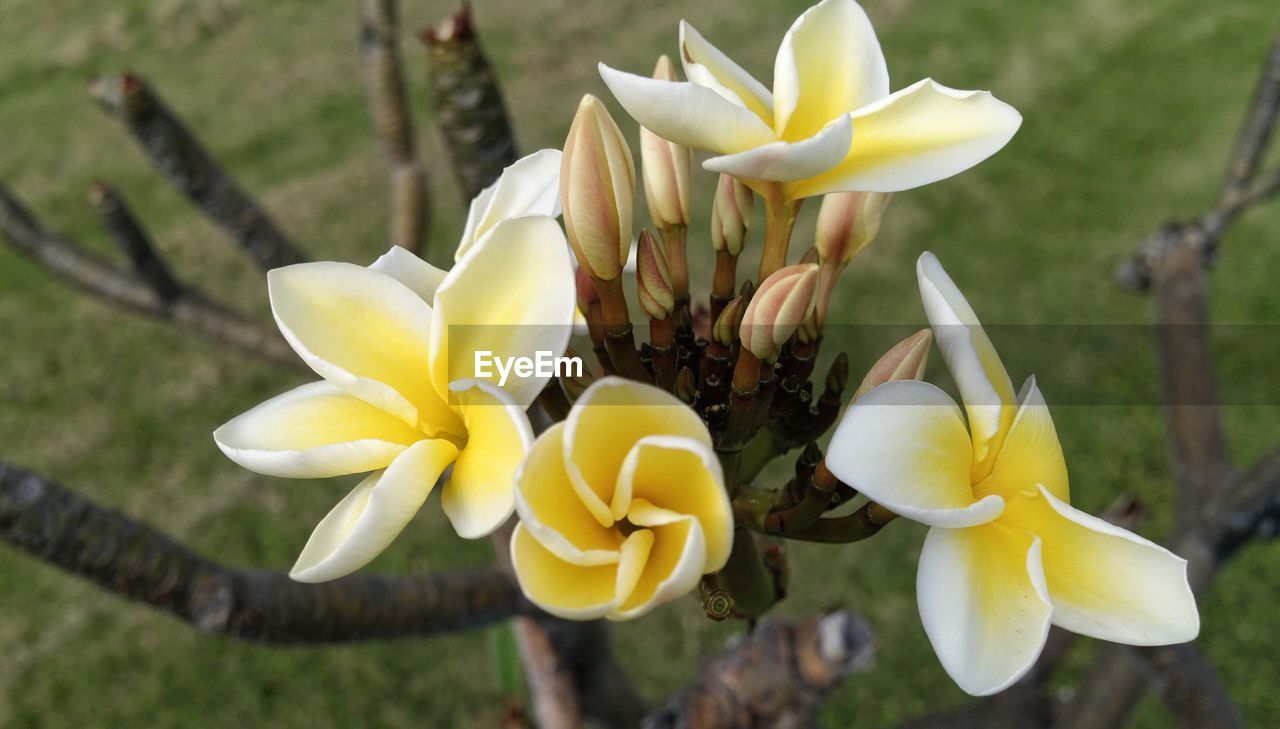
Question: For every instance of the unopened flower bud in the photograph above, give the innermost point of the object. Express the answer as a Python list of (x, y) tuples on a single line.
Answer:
[(838, 375), (653, 278), (686, 386), (779, 307), (847, 223), (597, 190), (906, 360), (588, 294), (809, 329), (726, 326), (731, 215), (666, 167)]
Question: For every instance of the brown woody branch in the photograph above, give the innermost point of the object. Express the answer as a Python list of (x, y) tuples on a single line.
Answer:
[(189, 309), (776, 677), (393, 122), (181, 158), (468, 102), (137, 561), (1218, 511), (133, 241)]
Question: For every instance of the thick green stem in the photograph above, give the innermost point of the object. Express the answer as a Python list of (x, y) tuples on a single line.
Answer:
[(745, 576)]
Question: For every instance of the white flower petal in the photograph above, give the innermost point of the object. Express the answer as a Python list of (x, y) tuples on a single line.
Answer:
[(904, 445), (512, 295), (921, 134), (686, 113), (682, 476), (529, 186), (706, 65), (786, 161), (984, 385), (549, 506), (984, 605), (314, 431), (365, 332), (1104, 581), (373, 514), (608, 419), (829, 64), (421, 277), (480, 493)]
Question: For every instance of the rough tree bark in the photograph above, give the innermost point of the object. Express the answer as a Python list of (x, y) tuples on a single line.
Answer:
[(469, 105), (189, 308), (775, 678), (181, 158), (136, 561), (393, 122)]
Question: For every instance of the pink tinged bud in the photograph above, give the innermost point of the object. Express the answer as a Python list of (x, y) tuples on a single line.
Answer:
[(847, 223), (731, 215), (905, 361), (653, 278), (666, 167), (597, 190), (588, 294), (780, 306)]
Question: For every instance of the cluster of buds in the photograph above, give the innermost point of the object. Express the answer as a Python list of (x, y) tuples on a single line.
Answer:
[(743, 358)]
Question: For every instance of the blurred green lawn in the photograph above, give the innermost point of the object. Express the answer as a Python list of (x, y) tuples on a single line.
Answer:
[(1129, 110)]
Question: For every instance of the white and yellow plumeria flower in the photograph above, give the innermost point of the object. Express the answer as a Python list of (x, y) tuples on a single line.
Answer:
[(395, 345), (622, 506), (1007, 555), (830, 124)]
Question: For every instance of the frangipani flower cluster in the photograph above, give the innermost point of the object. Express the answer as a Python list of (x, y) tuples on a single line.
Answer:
[(1007, 555), (646, 486)]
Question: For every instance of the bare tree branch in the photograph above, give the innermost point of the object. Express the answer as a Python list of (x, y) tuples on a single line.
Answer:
[(1190, 688), (1259, 121), (1241, 190), (136, 561), (184, 162), (775, 678), (380, 59), (133, 241), (95, 275), (468, 103)]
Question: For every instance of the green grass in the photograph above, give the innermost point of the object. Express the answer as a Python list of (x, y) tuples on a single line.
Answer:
[(1129, 112)]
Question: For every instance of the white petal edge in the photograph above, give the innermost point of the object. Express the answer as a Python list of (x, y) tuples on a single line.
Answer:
[(361, 526), (421, 277), (788, 161), (546, 453), (916, 136), (904, 446), (945, 585), (984, 383), (684, 576), (686, 113), (718, 536), (1173, 597), (706, 65), (406, 313), (267, 439), (528, 186)]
